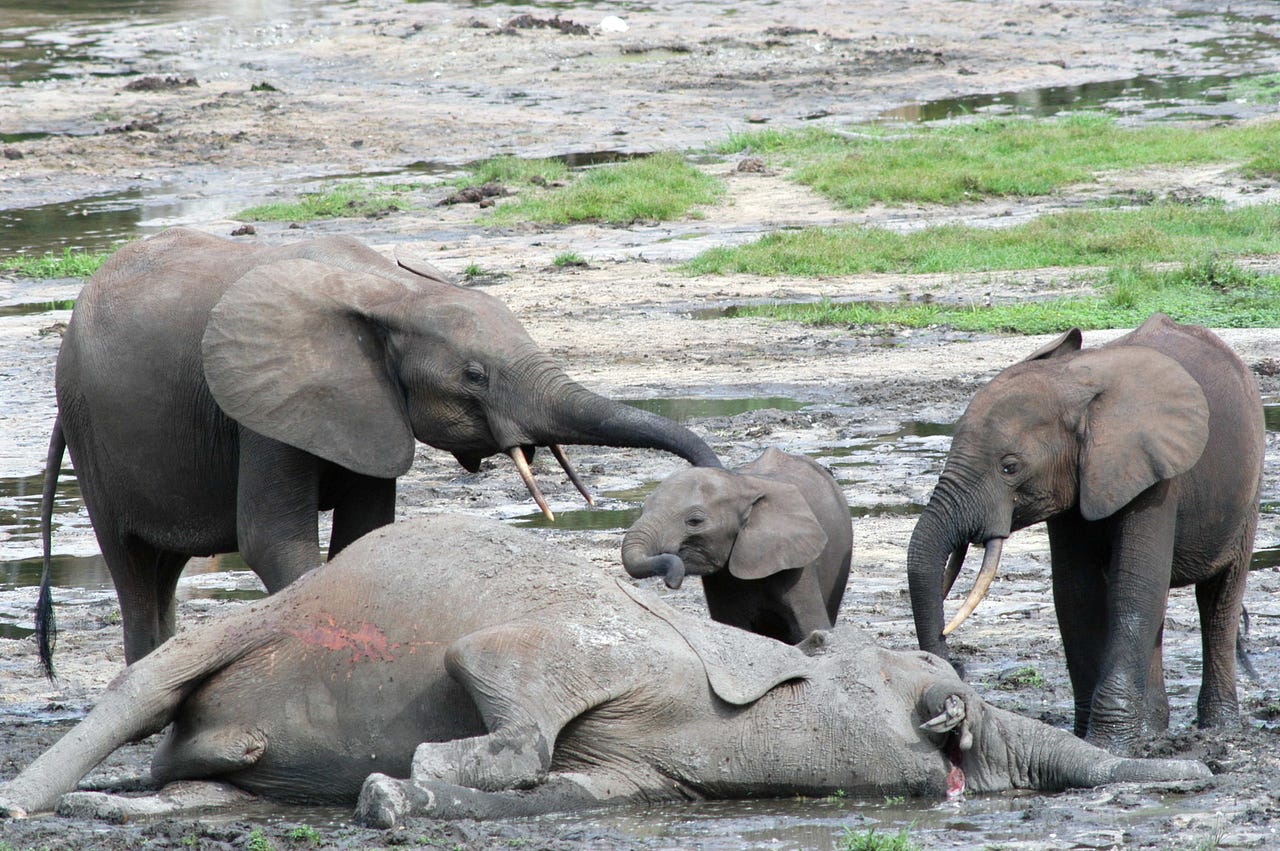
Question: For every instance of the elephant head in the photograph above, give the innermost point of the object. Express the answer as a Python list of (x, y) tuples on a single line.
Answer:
[(350, 358), (1064, 430), (701, 521)]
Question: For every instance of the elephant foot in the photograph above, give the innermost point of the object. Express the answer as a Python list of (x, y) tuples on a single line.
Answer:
[(1217, 715), (174, 799), (385, 802)]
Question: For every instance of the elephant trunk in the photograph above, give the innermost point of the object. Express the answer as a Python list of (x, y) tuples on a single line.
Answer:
[(640, 561), (1050, 759), (936, 553)]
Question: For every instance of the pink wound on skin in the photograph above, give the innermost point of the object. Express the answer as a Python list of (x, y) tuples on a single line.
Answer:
[(955, 776), (367, 643)]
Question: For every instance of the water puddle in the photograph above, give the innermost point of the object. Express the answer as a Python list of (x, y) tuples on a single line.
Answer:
[(36, 307), (1151, 98)]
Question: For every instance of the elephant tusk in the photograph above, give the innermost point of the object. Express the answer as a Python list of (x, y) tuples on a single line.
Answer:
[(557, 451), (953, 568), (987, 573), (526, 476)]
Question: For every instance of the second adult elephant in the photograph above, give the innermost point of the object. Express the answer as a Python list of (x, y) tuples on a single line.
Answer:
[(216, 395), (1144, 457), (771, 540)]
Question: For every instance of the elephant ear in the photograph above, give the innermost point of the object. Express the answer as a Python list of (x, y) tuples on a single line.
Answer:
[(741, 666), (781, 531), (422, 268), (1064, 345), (292, 352), (1148, 421)]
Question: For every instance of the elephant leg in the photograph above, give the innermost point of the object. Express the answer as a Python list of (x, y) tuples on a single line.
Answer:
[(368, 503), (516, 675), (1156, 709), (277, 504), (145, 579), (1138, 585), (1080, 601), (1219, 600), (385, 802)]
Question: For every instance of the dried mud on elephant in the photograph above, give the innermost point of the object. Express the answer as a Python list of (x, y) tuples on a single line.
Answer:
[(379, 86)]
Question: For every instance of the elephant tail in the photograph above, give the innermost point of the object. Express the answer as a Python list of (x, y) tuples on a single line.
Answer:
[(46, 626), (1242, 648)]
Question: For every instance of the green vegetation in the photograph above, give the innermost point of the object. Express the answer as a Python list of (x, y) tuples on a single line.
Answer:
[(305, 833), (874, 840), (1024, 677), (68, 264), (1264, 88), (1209, 292), (568, 258), (1165, 232), (515, 170), (339, 200), (258, 841), (949, 163), (660, 187)]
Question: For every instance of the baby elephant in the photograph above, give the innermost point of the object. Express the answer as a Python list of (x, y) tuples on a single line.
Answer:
[(771, 540)]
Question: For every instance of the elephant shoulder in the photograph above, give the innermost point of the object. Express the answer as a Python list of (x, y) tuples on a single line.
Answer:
[(741, 667)]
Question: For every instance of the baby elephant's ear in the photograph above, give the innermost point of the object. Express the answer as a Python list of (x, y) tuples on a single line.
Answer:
[(780, 533), (292, 352)]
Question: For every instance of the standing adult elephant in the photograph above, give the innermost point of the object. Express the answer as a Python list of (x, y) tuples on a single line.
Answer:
[(771, 540), (215, 396), (1144, 456)]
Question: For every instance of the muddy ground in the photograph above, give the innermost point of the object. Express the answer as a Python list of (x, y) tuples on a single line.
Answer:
[(375, 87)]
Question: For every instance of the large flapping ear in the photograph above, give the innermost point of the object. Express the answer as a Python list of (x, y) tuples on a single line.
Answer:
[(1148, 421), (781, 532), (291, 352), (1064, 345), (741, 666)]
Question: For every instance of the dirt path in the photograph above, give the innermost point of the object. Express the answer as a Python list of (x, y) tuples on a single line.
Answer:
[(382, 85)]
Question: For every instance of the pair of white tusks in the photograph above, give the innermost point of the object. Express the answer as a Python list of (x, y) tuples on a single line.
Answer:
[(526, 476), (987, 573)]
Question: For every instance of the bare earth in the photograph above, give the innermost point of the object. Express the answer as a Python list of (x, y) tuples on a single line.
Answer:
[(381, 85)]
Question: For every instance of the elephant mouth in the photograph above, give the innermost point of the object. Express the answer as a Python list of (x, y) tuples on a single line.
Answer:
[(955, 770)]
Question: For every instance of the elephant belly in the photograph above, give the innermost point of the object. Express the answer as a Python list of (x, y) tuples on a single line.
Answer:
[(310, 721)]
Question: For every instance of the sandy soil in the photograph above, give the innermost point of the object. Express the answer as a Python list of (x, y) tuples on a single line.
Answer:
[(381, 85)]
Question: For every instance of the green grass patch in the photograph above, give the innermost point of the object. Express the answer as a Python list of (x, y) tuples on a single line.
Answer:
[(1263, 88), (515, 170), (68, 264), (660, 187), (1159, 233), (347, 199), (1210, 291), (875, 840), (954, 162)]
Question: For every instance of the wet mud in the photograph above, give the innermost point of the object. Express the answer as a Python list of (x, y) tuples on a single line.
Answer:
[(290, 94)]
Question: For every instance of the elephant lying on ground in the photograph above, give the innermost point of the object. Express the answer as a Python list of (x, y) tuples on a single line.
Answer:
[(530, 681), (771, 540), (216, 395), (1145, 457)]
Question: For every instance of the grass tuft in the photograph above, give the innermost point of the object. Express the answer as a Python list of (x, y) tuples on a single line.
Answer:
[(341, 200), (514, 170), (68, 264), (1210, 291), (874, 840), (955, 162), (660, 187)]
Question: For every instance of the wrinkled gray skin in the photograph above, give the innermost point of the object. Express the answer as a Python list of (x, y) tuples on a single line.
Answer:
[(771, 540), (216, 395), (536, 682), (1144, 456)]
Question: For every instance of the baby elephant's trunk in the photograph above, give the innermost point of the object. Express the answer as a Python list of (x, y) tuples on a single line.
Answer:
[(640, 563)]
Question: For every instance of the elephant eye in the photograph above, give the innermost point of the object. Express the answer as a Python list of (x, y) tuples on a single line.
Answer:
[(475, 374), (695, 520), (1010, 466)]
